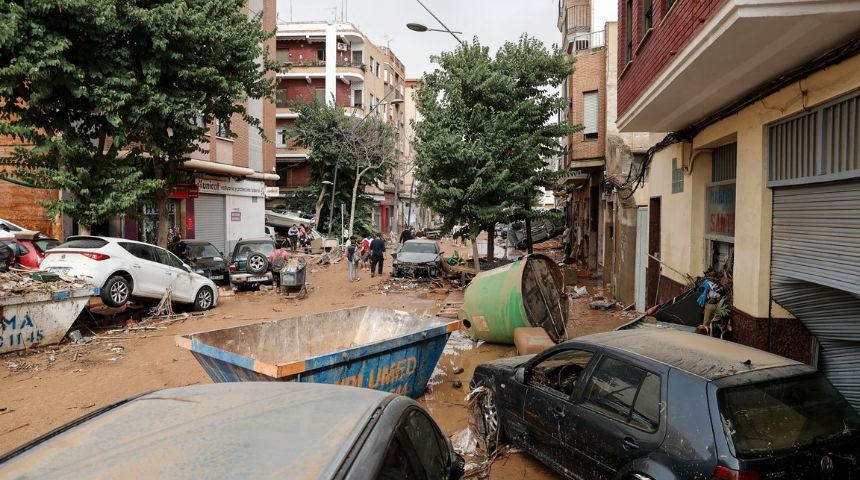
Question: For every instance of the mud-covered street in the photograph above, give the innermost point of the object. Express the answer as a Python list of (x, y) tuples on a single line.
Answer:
[(47, 387)]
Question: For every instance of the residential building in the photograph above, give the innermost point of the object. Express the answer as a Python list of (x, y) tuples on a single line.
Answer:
[(364, 79), (19, 203), (760, 175)]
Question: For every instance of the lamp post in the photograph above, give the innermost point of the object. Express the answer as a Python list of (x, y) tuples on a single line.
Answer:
[(337, 163), (417, 27)]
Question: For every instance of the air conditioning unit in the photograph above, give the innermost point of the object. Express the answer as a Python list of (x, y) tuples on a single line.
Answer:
[(341, 46)]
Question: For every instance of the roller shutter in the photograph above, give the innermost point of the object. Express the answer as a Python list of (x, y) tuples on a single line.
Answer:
[(815, 272), (210, 220)]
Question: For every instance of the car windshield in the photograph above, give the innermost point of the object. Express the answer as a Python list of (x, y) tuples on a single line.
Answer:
[(419, 247), (245, 249), (85, 242), (44, 244), (784, 415), (203, 251)]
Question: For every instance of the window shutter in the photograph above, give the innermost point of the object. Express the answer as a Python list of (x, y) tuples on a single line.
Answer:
[(589, 112)]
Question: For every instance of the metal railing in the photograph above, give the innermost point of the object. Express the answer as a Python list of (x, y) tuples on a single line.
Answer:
[(586, 41)]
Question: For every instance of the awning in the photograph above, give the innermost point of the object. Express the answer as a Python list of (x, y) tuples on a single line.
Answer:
[(265, 176), (219, 168)]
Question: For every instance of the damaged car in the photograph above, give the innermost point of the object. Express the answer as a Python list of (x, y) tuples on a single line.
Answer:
[(246, 430), (658, 404), (417, 258)]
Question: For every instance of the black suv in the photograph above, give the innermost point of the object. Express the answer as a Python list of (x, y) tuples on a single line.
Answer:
[(249, 265), (661, 404)]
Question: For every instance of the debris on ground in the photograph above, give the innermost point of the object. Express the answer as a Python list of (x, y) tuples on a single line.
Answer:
[(578, 292), (602, 304), (13, 284)]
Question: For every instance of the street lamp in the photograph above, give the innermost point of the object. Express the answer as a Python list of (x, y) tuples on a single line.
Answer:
[(337, 163), (417, 27)]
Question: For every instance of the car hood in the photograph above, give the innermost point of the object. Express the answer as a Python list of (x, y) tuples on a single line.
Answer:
[(416, 257)]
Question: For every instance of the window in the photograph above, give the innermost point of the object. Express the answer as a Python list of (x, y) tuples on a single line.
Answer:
[(677, 177), (357, 98), (625, 393), (590, 114), (167, 258), (321, 54), (372, 101), (320, 95), (426, 442), (283, 55), (561, 371), (372, 64), (720, 206), (647, 16), (356, 57), (669, 4), (140, 251), (282, 137), (396, 465), (222, 129), (628, 32), (281, 97)]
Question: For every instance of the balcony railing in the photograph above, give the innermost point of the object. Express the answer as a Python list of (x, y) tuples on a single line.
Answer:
[(578, 18), (586, 41)]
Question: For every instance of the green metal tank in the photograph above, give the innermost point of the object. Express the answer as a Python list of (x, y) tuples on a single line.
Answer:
[(527, 292)]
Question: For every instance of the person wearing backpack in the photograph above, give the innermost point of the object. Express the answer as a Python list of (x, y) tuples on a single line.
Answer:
[(352, 260)]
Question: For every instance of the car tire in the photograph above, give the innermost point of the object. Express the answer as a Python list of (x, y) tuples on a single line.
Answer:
[(488, 422), (204, 299), (116, 291), (257, 263)]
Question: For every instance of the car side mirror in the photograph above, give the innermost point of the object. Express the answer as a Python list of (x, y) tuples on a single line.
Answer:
[(520, 375)]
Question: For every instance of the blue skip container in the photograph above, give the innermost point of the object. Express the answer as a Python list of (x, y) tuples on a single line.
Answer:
[(382, 349)]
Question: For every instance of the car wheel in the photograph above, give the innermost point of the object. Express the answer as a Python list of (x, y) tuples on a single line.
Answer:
[(116, 291), (488, 422), (257, 263), (204, 299)]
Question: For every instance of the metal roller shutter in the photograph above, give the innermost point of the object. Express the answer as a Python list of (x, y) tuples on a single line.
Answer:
[(815, 272), (210, 219), (590, 112)]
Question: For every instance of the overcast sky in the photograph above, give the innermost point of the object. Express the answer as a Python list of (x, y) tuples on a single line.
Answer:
[(493, 21)]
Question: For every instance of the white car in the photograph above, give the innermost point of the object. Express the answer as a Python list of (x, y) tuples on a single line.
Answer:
[(125, 269), (8, 229)]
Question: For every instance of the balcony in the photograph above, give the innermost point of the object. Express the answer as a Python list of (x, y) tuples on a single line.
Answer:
[(580, 41), (577, 18), (742, 46)]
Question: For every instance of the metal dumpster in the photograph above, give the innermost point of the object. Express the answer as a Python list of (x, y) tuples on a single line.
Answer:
[(370, 347), (40, 318), (528, 292)]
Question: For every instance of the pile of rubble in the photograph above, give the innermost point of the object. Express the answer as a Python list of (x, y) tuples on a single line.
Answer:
[(14, 284)]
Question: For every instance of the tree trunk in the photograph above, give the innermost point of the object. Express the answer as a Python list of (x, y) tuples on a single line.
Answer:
[(319, 206), (160, 198), (529, 247), (474, 237), (491, 241), (354, 198), (84, 229), (395, 223)]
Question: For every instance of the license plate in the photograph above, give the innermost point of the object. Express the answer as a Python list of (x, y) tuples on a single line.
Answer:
[(59, 269), (217, 277), (258, 279)]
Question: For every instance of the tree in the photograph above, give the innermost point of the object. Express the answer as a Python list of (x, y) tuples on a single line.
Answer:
[(486, 129), (117, 93), (369, 148)]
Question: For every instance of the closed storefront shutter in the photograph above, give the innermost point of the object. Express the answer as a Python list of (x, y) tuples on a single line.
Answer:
[(815, 272), (210, 212)]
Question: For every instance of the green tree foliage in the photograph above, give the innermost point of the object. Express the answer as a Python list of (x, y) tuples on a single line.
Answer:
[(487, 127), (113, 94)]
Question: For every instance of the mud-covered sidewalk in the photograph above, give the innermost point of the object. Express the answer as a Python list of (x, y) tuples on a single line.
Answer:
[(47, 387)]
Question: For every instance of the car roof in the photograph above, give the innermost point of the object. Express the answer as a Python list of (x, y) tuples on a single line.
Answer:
[(255, 239), (195, 241), (696, 354), (109, 239), (420, 240), (222, 430)]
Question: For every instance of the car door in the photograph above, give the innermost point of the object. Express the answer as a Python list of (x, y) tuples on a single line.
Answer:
[(622, 415), (181, 280), (416, 450), (144, 268), (548, 413)]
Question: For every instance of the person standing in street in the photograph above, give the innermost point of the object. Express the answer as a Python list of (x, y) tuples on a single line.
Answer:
[(405, 236), (364, 253), (377, 252), (352, 260), (303, 237), (278, 259), (455, 235), (293, 233)]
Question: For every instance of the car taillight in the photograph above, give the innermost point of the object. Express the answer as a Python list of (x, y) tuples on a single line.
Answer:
[(95, 256), (233, 266), (726, 473)]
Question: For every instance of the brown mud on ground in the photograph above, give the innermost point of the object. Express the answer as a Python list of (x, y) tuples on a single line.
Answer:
[(47, 387)]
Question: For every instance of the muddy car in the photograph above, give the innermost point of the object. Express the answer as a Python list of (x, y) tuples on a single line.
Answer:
[(249, 265), (417, 258), (660, 404), (206, 260), (245, 430)]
